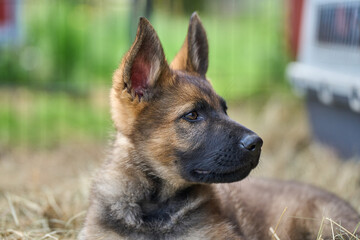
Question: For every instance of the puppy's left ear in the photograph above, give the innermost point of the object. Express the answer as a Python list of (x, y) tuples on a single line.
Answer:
[(193, 55)]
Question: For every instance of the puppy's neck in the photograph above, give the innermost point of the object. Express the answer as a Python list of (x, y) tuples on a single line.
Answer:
[(135, 199), (129, 162)]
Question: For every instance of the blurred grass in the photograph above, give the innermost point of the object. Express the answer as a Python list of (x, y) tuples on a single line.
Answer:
[(70, 49), (43, 120)]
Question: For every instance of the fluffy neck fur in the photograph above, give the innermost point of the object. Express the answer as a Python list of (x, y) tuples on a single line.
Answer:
[(135, 199)]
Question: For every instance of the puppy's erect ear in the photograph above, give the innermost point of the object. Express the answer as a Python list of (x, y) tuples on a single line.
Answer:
[(143, 64), (193, 55)]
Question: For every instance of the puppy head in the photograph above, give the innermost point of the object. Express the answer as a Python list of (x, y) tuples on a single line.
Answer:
[(172, 115)]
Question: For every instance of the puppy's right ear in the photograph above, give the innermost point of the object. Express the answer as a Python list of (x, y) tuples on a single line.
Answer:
[(143, 65)]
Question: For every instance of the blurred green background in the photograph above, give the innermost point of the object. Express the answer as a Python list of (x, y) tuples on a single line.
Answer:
[(55, 78)]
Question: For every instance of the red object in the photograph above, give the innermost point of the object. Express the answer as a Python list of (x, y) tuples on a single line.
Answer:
[(6, 15), (294, 14)]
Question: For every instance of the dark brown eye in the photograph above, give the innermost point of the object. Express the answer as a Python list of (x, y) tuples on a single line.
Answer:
[(191, 116)]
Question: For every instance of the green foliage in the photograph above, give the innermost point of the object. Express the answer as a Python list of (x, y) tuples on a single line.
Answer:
[(246, 54), (10, 70), (73, 47), (69, 45), (66, 45)]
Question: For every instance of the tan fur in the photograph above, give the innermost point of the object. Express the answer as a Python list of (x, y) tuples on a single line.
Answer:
[(179, 62), (140, 193)]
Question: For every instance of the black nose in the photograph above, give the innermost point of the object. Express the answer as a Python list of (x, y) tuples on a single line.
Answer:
[(252, 143)]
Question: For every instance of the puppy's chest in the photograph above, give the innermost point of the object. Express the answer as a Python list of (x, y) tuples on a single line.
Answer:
[(173, 218), (162, 213)]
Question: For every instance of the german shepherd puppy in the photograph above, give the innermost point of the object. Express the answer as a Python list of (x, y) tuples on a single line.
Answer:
[(173, 140)]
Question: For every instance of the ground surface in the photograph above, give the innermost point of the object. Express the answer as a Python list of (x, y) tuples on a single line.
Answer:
[(43, 193)]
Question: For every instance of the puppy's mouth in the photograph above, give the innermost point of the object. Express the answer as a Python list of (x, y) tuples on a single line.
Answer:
[(223, 176), (198, 171), (222, 172)]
